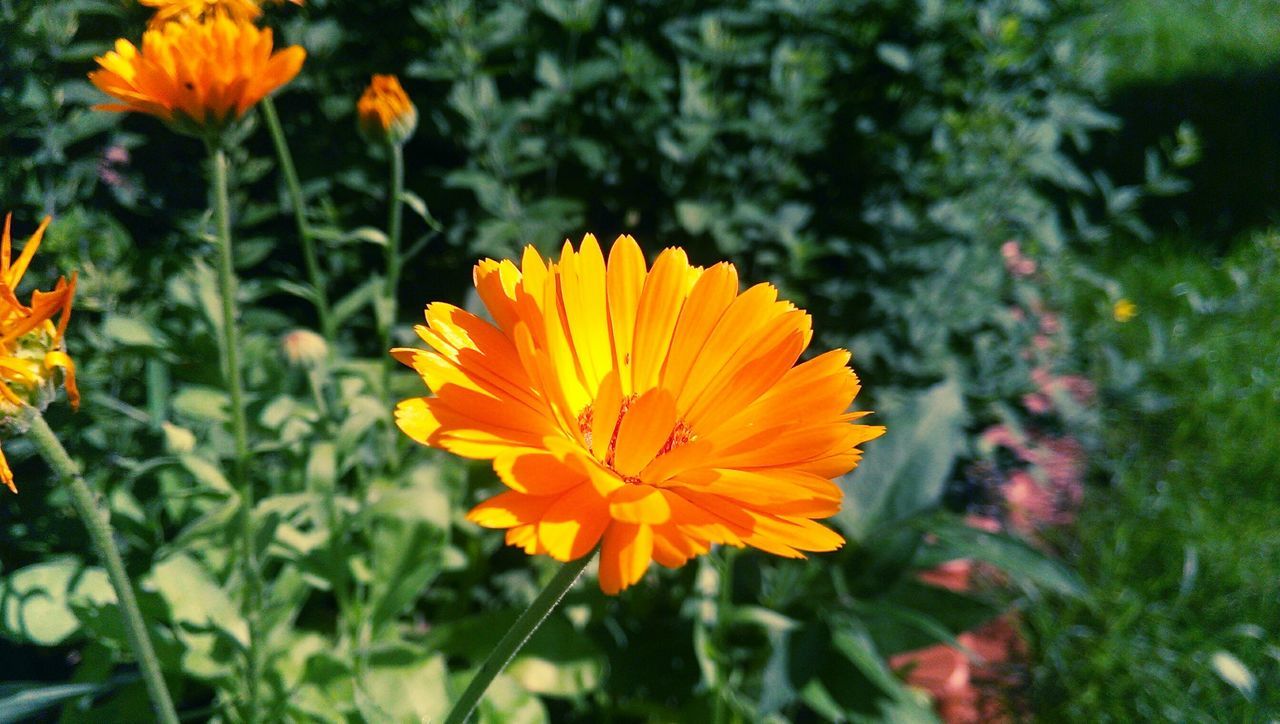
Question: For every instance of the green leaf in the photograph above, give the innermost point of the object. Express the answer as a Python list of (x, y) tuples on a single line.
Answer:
[(202, 403), (905, 471), (403, 683), (35, 601), (21, 701), (132, 332), (1010, 554), (206, 473), (194, 597), (357, 298)]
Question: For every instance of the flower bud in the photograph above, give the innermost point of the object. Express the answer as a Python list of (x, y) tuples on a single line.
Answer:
[(384, 113), (304, 348)]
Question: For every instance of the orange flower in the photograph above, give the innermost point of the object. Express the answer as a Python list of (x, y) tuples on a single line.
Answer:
[(385, 112), (653, 412), (31, 346), (170, 10), (197, 76)]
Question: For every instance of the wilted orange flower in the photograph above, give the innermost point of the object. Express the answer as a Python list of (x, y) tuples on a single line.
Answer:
[(171, 10), (31, 346), (196, 75), (658, 411), (385, 112)]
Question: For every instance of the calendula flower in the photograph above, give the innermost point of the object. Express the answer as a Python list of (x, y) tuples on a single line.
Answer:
[(171, 10), (653, 412), (197, 76), (385, 113), (1124, 310), (31, 346)]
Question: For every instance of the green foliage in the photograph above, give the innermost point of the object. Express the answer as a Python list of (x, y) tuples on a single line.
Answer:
[(1174, 551), (867, 156)]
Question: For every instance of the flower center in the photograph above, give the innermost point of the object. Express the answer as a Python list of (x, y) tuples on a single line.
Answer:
[(681, 434)]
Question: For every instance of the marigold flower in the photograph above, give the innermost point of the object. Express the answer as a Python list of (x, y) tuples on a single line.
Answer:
[(384, 111), (654, 412), (171, 10), (196, 75), (31, 346)]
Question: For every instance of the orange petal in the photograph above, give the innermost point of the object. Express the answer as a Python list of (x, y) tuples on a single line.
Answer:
[(645, 428), (624, 556), (573, 524), (639, 504), (509, 509), (659, 308)]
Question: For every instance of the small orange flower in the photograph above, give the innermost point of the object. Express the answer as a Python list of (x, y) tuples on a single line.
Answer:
[(385, 112), (171, 10), (31, 346), (196, 75), (653, 412)]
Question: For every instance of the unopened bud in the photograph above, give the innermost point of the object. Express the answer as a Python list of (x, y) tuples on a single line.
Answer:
[(304, 348), (385, 113)]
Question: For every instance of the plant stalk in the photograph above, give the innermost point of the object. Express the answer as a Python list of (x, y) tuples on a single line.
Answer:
[(390, 292), (395, 218), (314, 273), (240, 426), (99, 524), (516, 637)]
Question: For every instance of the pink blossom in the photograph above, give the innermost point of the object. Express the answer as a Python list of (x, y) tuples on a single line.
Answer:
[(1050, 323), (116, 154), (1037, 404), (1030, 504), (952, 575)]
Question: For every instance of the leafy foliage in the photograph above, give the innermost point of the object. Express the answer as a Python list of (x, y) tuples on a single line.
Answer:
[(869, 157)]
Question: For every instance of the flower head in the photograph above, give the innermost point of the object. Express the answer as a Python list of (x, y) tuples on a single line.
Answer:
[(653, 412), (304, 348), (31, 345), (1124, 310), (171, 10), (384, 111), (197, 76)]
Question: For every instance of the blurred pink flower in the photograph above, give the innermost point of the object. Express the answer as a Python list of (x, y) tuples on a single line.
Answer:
[(965, 691), (1050, 323), (1036, 403), (116, 154), (1030, 505), (1017, 264), (952, 575)]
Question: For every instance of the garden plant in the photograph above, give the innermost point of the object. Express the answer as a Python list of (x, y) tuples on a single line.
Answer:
[(409, 335)]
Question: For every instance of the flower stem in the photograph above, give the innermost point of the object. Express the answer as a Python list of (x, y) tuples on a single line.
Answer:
[(395, 214), (314, 273), (99, 525), (240, 427), (390, 292), (516, 637)]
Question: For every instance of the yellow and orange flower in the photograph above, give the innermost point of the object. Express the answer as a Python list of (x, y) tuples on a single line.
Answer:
[(384, 111), (31, 346), (653, 412), (170, 10), (196, 75)]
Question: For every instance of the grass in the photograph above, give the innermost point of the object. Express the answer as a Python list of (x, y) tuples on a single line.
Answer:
[(1154, 40), (1181, 551)]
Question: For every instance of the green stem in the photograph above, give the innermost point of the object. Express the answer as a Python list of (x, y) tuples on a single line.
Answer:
[(395, 215), (314, 274), (240, 426), (99, 524), (387, 320), (516, 637)]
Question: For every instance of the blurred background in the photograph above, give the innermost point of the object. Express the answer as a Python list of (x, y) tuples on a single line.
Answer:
[(1045, 229)]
